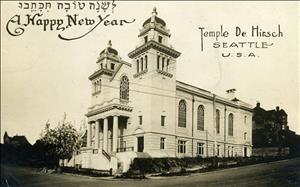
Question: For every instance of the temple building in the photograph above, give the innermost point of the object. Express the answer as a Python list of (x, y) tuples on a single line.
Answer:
[(139, 109)]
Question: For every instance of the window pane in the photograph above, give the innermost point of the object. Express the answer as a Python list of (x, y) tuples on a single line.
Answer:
[(163, 119), (230, 125), (200, 118), (218, 121), (124, 88), (182, 114)]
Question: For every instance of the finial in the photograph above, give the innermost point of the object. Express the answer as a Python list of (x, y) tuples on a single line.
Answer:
[(109, 44), (154, 12)]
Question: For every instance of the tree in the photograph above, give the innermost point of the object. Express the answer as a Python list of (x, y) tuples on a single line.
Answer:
[(60, 142)]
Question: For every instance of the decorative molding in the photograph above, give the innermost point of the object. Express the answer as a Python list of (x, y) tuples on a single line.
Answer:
[(140, 73), (101, 72), (109, 108), (164, 73), (96, 93), (155, 45), (209, 96), (158, 29)]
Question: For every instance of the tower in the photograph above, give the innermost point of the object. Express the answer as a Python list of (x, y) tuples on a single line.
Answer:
[(154, 53), (154, 77), (108, 64)]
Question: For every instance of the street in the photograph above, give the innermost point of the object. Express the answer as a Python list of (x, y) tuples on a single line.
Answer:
[(280, 173)]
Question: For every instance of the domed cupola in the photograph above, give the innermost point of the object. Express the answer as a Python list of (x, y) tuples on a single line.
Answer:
[(154, 52), (109, 50), (154, 19), (109, 59)]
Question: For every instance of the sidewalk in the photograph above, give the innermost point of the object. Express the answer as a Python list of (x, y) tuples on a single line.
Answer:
[(152, 177)]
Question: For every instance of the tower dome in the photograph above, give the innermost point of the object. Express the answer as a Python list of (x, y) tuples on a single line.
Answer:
[(154, 19), (109, 49)]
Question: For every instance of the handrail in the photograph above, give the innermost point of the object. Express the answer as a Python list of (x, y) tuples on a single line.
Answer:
[(106, 154), (125, 149)]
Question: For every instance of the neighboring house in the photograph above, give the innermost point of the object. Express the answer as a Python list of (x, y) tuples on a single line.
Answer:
[(139, 109), (269, 127), (16, 141), (271, 134)]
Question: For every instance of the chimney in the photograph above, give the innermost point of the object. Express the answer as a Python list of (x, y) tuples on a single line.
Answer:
[(231, 94), (258, 104), (277, 108)]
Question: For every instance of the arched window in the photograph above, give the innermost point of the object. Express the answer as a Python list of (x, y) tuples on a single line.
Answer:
[(200, 118), (230, 124), (97, 85), (182, 114), (124, 88), (218, 121)]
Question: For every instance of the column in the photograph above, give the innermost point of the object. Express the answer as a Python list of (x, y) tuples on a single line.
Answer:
[(97, 134), (105, 130), (115, 134), (88, 142)]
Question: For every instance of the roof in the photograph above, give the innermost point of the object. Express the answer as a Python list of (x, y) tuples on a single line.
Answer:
[(208, 95), (109, 50), (157, 20)]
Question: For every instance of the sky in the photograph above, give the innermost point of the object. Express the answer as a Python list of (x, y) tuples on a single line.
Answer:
[(43, 76)]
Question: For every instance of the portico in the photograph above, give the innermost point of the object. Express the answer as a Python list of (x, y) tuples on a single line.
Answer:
[(106, 133)]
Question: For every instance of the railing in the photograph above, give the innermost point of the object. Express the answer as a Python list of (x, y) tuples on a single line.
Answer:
[(106, 154), (125, 149)]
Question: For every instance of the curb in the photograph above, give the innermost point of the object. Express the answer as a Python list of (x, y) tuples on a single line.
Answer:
[(217, 170), (149, 177)]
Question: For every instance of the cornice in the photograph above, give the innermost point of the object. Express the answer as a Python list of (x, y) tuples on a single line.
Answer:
[(155, 45), (109, 108), (101, 72), (162, 31), (210, 97)]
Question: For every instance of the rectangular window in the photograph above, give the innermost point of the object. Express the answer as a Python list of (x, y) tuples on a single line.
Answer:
[(168, 62), (112, 66), (181, 146), (140, 120), (228, 151), (245, 136), (146, 39), (218, 121), (162, 143), (142, 64), (200, 149), (158, 59), (137, 66), (163, 63), (160, 39), (163, 120), (97, 85), (218, 150)]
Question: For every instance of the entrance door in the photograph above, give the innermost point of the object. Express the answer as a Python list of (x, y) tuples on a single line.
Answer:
[(140, 144), (245, 151)]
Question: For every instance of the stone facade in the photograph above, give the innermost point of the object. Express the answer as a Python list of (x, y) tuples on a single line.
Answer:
[(135, 108)]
